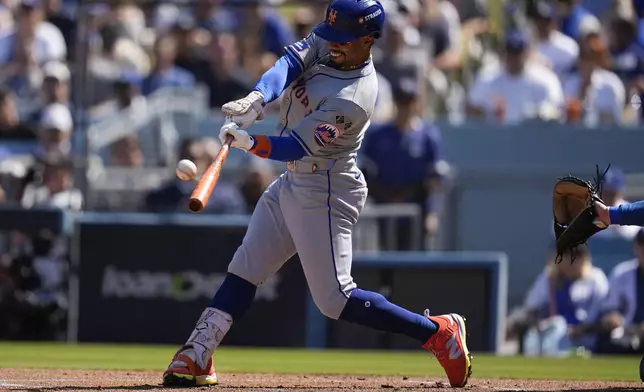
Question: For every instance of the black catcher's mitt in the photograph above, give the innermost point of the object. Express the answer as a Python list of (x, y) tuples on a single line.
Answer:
[(575, 217)]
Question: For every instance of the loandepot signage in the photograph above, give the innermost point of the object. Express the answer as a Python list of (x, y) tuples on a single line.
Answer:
[(178, 286)]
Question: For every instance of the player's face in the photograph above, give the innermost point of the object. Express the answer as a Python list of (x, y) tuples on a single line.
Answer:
[(349, 54)]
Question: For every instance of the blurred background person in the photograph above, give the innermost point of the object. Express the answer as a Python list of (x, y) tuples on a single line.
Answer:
[(261, 28), (258, 176), (560, 51), (192, 48), (32, 31), (11, 128), (164, 72), (54, 186), (227, 80), (126, 94), (571, 15), (64, 19), (519, 90), (403, 163), (627, 55), (562, 306), (596, 90), (55, 88), (55, 131), (126, 152), (622, 321)]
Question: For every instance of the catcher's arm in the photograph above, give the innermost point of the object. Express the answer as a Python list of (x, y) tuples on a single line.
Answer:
[(623, 215)]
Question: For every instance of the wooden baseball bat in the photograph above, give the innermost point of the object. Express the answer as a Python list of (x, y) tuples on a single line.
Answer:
[(208, 181)]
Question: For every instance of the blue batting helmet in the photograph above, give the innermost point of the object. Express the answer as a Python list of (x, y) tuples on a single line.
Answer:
[(349, 20)]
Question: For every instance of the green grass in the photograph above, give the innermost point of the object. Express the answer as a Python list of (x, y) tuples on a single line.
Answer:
[(252, 360)]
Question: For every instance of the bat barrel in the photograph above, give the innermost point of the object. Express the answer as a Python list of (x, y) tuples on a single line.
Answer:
[(208, 181), (195, 205)]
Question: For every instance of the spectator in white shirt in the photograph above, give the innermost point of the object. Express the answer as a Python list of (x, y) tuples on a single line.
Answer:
[(622, 321), (599, 91), (56, 190), (31, 29), (559, 50), (517, 91)]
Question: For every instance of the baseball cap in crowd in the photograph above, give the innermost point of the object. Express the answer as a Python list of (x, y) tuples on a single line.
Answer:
[(516, 41), (57, 116), (56, 70), (614, 180)]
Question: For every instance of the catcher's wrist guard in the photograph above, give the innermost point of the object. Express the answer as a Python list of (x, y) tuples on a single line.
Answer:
[(575, 215)]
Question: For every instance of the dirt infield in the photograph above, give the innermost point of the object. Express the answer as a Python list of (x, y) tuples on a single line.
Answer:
[(80, 380)]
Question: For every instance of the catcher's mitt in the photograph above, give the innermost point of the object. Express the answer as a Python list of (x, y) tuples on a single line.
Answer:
[(575, 217)]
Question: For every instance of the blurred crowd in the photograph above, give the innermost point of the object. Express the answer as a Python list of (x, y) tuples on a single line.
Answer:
[(578, 308), (34, 270), (505, 62)]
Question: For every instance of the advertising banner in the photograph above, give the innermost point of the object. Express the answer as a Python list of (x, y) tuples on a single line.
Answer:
[(148, 283)]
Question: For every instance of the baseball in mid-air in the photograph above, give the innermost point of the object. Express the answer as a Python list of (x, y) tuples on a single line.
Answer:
[(186, 170)]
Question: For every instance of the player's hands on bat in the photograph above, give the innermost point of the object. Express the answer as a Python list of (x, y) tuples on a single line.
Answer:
[(244, 112), (241, 138)]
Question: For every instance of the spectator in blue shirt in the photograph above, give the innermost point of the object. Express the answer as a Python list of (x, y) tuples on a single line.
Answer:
[(256, 20), (402, 160), (165, 73), (209, 15), (563, 305), (628, 54), (571, 16)]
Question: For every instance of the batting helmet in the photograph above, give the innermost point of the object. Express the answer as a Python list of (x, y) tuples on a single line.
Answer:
[(349, 20)]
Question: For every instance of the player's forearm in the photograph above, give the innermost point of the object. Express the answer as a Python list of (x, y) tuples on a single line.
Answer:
[(274, 81), (627, 214), (277, 148)]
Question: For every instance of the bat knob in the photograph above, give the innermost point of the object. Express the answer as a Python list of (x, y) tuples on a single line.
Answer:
[(195, 205)]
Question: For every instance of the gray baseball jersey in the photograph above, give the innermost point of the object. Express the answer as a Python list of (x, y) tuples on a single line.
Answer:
[(312, 207)]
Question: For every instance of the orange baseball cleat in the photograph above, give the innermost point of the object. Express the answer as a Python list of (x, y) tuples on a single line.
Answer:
[(184, 372), (449, 347)]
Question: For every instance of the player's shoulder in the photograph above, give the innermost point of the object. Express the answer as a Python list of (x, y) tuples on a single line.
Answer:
[(345, 106)]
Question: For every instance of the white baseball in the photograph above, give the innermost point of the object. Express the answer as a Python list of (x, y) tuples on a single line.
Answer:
[(186, 170)]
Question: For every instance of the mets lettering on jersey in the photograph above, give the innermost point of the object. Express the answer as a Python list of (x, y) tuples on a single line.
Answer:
[(326, 133), (300, 94)]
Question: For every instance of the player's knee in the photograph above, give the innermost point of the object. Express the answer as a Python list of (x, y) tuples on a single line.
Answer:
[(330, 304), (242, 267)]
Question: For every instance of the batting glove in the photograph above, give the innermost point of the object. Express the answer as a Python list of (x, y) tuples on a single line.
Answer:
[(241, 138), (244, 112)]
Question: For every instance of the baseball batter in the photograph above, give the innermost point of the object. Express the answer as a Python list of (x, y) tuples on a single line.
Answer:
[(330, 88)]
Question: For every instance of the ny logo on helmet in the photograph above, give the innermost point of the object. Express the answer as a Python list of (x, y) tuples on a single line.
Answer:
[(333, 14)]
